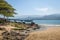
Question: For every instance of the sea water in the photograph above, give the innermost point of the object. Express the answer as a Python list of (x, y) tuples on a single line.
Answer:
[(47, 21), (50, 23)]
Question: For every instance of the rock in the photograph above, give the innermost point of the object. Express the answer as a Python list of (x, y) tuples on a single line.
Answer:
[(5, 33), (12, 35)]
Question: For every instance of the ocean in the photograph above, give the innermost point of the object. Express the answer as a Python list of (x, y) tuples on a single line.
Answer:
[(47, 21)]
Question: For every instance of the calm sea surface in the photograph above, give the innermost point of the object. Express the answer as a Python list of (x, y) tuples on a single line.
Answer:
[(47, 21)]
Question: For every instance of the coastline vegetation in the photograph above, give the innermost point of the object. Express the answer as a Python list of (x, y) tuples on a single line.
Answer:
[(9, 29)]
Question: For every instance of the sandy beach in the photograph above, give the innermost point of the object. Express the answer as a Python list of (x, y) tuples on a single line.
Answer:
[(49, 24), (48, 32)]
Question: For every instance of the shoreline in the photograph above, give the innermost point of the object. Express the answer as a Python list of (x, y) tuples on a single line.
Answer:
[(46, 26), (49, 24)]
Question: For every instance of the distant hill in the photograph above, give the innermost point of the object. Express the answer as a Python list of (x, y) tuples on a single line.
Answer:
[(51, 17), (38, 17), (46, 17), (29, 17)]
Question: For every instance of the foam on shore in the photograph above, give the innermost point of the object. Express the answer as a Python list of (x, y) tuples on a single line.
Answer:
[(46, 26), (50, 24)]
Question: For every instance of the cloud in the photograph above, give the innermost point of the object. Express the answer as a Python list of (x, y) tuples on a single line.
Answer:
[(41, 9), (47, 11)]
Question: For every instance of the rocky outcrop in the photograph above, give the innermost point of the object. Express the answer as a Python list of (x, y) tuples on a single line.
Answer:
[(8, 33), (12, 35)]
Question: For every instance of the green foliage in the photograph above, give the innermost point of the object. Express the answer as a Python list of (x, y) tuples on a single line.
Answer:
[(1, 21), (20, 26), (6, 9), (18, 29)]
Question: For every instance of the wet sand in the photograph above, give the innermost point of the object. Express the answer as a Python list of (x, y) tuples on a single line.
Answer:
[(46, 26)]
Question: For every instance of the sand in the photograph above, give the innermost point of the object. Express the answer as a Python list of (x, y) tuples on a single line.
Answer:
[(51, 33)]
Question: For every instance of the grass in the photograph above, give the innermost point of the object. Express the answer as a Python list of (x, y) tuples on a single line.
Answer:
[(49, 34), (17, 25)]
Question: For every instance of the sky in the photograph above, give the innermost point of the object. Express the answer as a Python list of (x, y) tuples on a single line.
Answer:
[(35, 7)]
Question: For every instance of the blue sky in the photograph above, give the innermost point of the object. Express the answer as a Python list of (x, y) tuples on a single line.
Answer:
[(35, 7)]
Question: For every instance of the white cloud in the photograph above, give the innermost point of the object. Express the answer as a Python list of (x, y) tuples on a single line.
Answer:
[(47, 11), (42, 9)]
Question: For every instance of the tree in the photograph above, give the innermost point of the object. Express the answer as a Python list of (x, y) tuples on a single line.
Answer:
[(6, 9)]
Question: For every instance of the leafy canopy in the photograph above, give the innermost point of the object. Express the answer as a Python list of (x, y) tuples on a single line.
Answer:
[(6, 9)]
